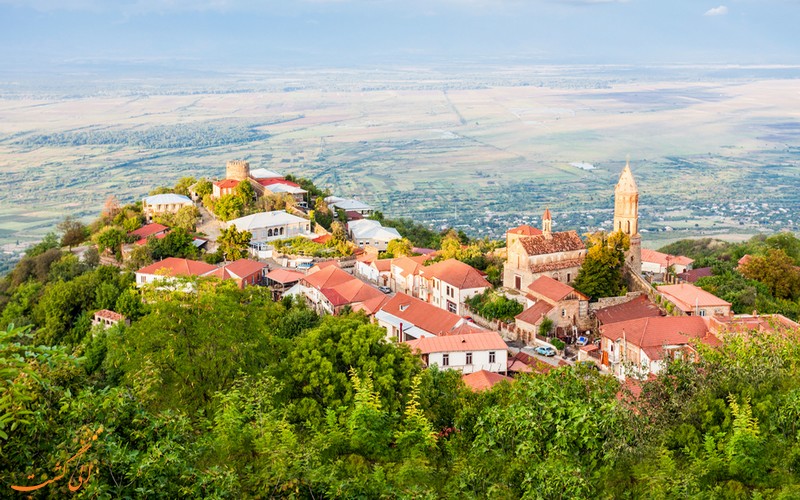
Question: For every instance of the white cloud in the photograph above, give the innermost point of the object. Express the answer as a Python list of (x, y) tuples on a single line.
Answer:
[(717, 11)]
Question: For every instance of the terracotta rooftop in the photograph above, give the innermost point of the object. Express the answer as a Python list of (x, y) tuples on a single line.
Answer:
[(423, 251), (744, 260), (652, 334), (284, 276), (227, 183), (327, 277), (750, 322), (421, 314), (556, 265), (525, 230), (410, 266), (456, 273), (270, 182), (243, 268), (483, 380), (692, 275), (322, 239), (113, 316), (553, 290), (486, 341), (639, 307), (382, 265), (534, 313), (173, 266), (687, 297), (663, 259), (148, 230), (543, 244)]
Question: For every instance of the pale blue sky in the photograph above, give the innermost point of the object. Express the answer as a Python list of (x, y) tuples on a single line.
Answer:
[(252, 33)]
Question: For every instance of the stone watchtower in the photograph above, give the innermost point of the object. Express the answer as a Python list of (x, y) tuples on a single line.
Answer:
[(626, 216), (237, 170)]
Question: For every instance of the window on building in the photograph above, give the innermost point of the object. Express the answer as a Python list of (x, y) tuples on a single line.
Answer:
[(702, 312), (563, 313), (451, 307), (445, 360), (492, 356), (469, 358), (517, 282)]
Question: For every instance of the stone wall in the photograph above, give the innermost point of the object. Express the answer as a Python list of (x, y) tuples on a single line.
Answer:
[(613, 301)]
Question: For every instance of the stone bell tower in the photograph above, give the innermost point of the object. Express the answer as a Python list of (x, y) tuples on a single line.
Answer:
[(626, 216), (547, 223)]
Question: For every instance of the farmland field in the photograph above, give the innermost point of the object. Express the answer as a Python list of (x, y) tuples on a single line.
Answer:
[(714, 157)]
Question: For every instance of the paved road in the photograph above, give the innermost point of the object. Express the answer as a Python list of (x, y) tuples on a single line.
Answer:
[(209, 226)]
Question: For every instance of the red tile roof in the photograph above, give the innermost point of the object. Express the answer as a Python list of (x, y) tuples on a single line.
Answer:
[(687, 297), (487, 341), (423, 251), (652, 334), (456, 273), (322, 239), (663, 259), (159, 236), (284, 276), (173, 266), (410, 266), (692, 275), (148, 230), (244, 268), (556, 265), (421, 314), (744, 260), (534, 313), (113, 316), (747, 322), (553, 290), (269, 182), (227, 183), (483, 380), (544, 244), (639, 307), (328, 277), (525, 230)]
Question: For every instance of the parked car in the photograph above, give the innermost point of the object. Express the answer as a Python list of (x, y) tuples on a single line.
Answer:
[(545, 351), (385, 289)]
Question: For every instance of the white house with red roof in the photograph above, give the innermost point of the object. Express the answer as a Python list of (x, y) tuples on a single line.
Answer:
[(467, 353), (243, 271), (405, 317), (374, 270), (329, 289), (449, 283), (643, 346), (562, 304), (405, 274), (169, 269), (223, 187), (657, 262), (694, 301)]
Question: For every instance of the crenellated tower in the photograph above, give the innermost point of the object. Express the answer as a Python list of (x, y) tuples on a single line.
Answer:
[(626, 216), (237, 170)]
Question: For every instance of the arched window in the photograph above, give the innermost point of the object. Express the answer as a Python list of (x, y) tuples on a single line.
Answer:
[(629, 227), (269, 233), (281, 231)]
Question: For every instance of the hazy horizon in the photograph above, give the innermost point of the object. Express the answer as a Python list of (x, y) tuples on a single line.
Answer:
[(59, 35)]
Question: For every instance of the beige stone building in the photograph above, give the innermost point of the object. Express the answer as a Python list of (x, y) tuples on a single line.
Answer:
[(531, 255), (562, 304), (626, 216)]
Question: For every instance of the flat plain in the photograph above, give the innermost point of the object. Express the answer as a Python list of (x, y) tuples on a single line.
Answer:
[(716, 157)]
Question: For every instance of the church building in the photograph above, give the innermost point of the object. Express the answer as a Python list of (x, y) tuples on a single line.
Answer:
[(533, 254)]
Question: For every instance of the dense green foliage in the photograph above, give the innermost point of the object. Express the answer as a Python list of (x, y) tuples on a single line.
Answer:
[(600, 274), (768, 283), (492, 305), (218, 392)]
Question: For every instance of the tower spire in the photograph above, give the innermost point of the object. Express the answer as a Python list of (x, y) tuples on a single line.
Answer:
[(547, 222)]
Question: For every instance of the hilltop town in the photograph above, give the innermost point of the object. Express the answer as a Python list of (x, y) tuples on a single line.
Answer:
[(489, 310)]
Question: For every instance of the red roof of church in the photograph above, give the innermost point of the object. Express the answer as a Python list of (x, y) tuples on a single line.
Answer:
[(542, 244), (525, 230)]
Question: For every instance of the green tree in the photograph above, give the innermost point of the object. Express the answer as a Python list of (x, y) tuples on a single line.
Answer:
[(229, 206), (184, 184), (776, 270), (187, 217), (399, 248), (233, 244), (110, 238), (73, 232), (600, 274), (203, 188), (245, 191)]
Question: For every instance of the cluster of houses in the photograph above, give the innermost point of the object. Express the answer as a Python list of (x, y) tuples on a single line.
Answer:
[(422, 302)]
